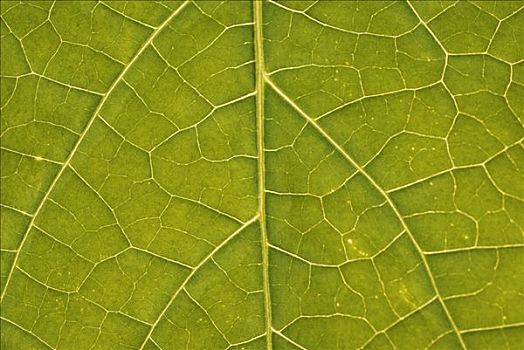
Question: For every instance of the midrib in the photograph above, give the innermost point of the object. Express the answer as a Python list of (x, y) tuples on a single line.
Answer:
[(260, 82)]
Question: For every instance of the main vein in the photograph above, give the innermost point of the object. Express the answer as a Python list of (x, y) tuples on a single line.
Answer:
[(65, 165), (260, 84)]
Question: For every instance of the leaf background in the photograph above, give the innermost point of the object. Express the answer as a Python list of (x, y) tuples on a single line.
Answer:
[(253, 175)]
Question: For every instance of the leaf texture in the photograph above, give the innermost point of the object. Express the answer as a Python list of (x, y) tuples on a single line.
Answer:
[(262, 175)]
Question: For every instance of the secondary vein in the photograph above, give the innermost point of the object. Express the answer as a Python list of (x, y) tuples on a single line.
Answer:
[(82, 136), (386, 196)]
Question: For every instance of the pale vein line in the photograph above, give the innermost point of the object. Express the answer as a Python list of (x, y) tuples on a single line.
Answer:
[(22, 154), (494, 328), (260, 71), (26, 331), (327, 25), (126, 16), (376, 185), (291, 341), (400, 319), (459, 167), (246, 341), (20, 211), (298, 257), (474, 248), (193, 272), (82, 136)]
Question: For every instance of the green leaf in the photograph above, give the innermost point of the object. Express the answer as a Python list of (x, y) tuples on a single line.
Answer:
[(262, 175)]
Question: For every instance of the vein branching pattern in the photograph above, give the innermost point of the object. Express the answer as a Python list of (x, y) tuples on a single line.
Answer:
[(271, 174)]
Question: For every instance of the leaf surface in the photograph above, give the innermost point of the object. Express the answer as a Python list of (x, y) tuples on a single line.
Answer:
[(262, 175)]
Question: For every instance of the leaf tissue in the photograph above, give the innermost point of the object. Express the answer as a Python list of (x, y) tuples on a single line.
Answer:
[(276, 174)]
